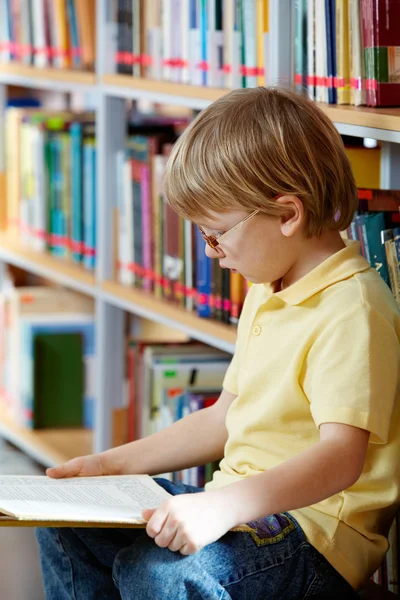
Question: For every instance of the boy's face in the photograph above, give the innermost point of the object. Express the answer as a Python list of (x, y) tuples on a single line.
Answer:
[(261, 250)]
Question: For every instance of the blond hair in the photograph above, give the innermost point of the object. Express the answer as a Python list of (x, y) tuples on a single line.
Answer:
[(255, 144)]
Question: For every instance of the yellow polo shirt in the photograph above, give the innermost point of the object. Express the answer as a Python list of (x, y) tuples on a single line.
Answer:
[(325, 349)]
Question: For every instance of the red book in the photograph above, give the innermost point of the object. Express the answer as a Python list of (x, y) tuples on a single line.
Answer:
[(381, 39)]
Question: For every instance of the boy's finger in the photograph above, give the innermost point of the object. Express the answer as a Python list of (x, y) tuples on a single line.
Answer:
[(61, 471)]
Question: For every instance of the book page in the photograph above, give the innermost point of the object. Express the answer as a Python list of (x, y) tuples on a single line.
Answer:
[(106, 499)]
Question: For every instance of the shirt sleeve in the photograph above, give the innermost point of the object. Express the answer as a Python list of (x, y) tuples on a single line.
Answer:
[(230, 383), (352, 373)]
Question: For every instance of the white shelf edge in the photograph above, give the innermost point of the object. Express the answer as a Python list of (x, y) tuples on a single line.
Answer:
[(132, 93), (43, 83), (58, 277), (384, 135), (40, 456), (159, 318)]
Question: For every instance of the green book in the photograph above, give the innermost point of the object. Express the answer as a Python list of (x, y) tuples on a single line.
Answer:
[(58, 380)]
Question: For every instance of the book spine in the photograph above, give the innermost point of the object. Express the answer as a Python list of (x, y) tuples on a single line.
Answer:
[(250, 43), (40, 48), (89, 204), (203, 25), (195, 43), (189, 271), (76, 192), (74, 44), (146, 227), (203, 278), (311, 72)]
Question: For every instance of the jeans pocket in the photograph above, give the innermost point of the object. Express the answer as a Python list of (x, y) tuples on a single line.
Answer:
[(270, 529)]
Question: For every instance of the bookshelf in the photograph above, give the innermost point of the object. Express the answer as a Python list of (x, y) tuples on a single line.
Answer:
[(46, 79), (64, 272), (49, 447), (146, 305), (387, 119), (110, 91)]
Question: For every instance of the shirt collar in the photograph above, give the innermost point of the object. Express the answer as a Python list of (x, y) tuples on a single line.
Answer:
[(341, 265)]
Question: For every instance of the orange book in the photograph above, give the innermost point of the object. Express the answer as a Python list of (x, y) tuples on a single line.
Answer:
[(86, 16), (237, 296)]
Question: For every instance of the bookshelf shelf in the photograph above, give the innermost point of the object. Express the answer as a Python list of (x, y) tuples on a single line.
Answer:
[(49, 447), (160, 91), (145, 305), (384, 123), (47, 79), (58, 270)]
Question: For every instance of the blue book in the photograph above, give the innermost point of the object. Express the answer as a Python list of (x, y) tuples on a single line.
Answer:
[(203, 38), (32, 326), (89, 204), (56, 217), (76, 191), (203, 278), (374, 224), (330, 24), (74, 34)]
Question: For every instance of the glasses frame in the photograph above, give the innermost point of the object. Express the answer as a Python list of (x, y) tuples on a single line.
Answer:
[(214, 242)]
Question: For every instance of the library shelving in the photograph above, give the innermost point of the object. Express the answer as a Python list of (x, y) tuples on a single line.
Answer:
[(64, 272), (46, 78), (108, 92), (48, 447), (205, 330)]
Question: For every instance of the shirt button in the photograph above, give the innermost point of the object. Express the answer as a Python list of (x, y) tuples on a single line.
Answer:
[(257, 329)]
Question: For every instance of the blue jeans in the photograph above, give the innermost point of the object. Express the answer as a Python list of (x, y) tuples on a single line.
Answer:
[(271, 559)]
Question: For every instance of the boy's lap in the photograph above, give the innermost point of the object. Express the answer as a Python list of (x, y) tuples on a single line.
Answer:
[(242, 562)]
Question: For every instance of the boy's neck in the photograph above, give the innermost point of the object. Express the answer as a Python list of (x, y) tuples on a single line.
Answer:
[(311, 253)]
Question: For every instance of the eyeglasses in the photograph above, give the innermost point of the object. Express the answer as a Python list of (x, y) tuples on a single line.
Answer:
[(214, 241)]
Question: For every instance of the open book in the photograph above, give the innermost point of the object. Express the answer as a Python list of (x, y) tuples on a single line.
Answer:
[(107, 501)]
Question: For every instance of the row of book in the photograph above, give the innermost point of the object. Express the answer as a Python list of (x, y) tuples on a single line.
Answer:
[(48, 33), (347, 51), (167, 381), (157, 250), (215, 43), (379, 234), (51, 181), (47, 357)]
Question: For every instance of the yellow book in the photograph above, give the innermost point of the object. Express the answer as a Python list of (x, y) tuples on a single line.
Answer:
[(105, 501), (262, 15), (13, 119), (342, 51), (366, 166), (61, 27)]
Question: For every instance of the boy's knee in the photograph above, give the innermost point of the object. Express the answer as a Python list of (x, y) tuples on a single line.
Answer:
[(144, 566)]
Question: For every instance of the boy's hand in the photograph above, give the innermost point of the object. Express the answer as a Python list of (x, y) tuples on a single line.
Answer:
[(188, 522), (82, 466)]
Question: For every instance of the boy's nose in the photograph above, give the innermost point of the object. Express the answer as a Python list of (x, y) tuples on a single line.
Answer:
[(214, 252)]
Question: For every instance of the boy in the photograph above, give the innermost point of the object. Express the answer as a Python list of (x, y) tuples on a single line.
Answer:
[(308, 420)]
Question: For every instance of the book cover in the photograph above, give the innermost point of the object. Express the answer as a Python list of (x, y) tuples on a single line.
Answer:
[(374, 224), (51, 324), (58, 380)]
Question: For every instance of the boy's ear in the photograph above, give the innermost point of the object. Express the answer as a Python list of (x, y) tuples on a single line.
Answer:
[(293, 215)]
